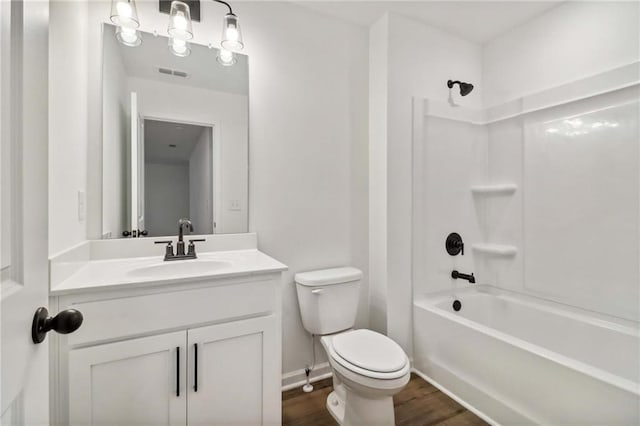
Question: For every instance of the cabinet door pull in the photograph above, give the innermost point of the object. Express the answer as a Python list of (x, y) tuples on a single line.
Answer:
[(178, 371), (195, 367)]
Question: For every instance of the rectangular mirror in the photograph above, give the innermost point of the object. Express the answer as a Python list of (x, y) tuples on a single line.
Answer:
[(175, 139)]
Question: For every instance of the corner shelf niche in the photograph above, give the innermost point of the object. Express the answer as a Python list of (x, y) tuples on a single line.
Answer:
[(495, 249), (495, 189)]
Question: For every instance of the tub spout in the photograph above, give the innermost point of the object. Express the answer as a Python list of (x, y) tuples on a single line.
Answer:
[(455, 275)]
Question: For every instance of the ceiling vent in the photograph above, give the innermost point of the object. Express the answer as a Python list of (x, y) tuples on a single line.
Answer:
[(174, 73)]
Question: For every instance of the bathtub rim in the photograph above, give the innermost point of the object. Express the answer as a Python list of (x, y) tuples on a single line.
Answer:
[(430, 301), (621, 325)]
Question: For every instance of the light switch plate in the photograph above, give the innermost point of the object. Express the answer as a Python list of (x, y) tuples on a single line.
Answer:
[(234, 205)]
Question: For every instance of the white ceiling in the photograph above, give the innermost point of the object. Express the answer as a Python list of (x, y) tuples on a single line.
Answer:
[(158, 135), (477, 21)]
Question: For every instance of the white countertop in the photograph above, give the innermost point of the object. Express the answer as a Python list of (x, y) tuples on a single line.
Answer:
[(109, 274)]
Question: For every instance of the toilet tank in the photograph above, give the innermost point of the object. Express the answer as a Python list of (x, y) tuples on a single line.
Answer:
[(328, 299)]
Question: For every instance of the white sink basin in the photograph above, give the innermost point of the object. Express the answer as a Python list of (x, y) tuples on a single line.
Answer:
[(180, 268)]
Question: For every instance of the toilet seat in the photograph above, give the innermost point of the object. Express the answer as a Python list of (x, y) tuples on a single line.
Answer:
[(368, 354), (370, 350)]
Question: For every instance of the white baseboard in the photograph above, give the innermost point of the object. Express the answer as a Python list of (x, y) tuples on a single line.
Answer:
[(453, 396), (297, 378)]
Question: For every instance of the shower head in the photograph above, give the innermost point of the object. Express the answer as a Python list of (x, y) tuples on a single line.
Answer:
[(465, 88)]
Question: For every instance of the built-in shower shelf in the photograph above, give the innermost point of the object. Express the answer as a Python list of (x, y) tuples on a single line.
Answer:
[(496, 189), (495, 249)]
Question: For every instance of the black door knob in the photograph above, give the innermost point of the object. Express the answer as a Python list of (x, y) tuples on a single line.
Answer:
[(65, 322)]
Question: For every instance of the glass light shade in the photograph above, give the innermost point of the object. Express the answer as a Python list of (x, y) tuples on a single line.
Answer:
[(124, 13), (179, 47), (180, 21), (226, 58), (128, 36), (231, 35)]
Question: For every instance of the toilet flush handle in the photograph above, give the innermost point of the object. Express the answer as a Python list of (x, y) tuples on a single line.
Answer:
[(316, 291)]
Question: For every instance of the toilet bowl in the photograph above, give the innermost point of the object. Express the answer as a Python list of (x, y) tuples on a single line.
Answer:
[(368, 367)]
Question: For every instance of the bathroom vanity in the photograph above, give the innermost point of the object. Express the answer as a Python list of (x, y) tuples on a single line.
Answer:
[(187, 342)]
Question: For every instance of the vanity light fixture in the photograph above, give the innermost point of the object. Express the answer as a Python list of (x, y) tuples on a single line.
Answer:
[(180, 31), (180, 21), (231, 35), (124, 14)]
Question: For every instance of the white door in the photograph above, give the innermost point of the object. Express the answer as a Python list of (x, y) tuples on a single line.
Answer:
[(141, 225), (135, 382), (24, 212), (137, 168), (233, 374)]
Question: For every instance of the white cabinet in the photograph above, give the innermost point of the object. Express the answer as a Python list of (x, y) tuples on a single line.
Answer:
[(233, 380), (155, 363), (130, 382)]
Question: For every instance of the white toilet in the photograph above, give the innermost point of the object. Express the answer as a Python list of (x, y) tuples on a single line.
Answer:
[(368, 367)]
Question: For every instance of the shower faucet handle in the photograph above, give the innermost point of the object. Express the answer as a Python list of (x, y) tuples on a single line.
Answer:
[(454, 244)]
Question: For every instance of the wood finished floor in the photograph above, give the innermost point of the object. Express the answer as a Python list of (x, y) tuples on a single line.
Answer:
[(420, 403)]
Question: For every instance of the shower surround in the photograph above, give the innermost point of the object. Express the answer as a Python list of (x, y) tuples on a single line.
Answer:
[(545, 191)]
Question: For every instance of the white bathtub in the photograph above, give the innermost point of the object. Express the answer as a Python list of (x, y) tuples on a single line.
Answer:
[(521, 360)]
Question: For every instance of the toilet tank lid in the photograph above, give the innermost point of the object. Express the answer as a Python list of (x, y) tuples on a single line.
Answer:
[(328, 276)]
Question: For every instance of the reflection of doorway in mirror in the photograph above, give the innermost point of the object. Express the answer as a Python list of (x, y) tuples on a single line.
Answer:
[(179, 176)]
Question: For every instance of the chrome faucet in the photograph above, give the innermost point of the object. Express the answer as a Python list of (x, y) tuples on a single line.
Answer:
[(181, 225), (180, 254)]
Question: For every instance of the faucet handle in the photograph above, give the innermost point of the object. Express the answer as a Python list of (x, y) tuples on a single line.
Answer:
[(192, 246), (169, 249)]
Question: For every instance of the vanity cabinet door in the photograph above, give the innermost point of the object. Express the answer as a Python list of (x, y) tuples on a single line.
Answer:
[(140, 381), (236, 380)]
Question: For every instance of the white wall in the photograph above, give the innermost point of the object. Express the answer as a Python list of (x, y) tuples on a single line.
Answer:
[(569, 42), (378, 107), (308, 106), (419, 61), (115, 158), (201, 184), (68, 122), (166, 197)]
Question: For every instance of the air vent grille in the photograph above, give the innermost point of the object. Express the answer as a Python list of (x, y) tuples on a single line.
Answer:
[(174, 73)]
